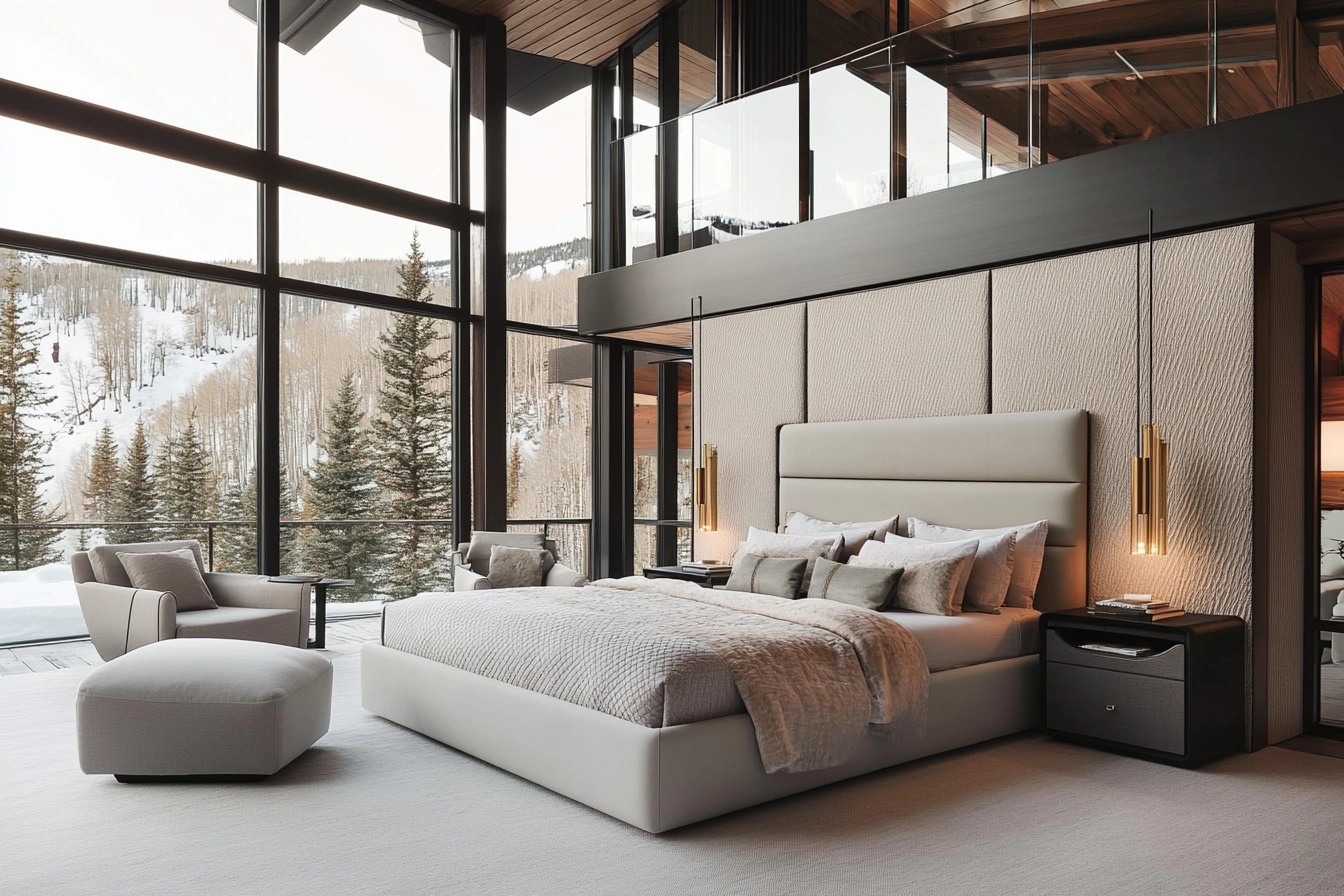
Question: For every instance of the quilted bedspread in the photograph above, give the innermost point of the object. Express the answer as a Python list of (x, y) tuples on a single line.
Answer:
[(816, 676)]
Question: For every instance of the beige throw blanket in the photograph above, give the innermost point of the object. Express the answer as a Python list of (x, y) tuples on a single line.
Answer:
[(816, 676)]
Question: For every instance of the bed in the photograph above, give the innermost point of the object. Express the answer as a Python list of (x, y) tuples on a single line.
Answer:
[(976, 471)]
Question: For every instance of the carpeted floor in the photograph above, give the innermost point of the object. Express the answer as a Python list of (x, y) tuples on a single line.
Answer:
[(375, 808)]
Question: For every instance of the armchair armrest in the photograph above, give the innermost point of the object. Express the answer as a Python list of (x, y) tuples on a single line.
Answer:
[(564, 577), (466, 580), (231, 589), (121, 619)]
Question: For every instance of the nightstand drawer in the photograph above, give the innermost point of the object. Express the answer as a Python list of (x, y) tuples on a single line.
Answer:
[(1138, 710), (1169, 663)]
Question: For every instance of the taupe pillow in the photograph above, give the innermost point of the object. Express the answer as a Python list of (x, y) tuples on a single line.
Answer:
[(174, 571), (1028, 554), (798, 523), (903, 552), (780, 576), (987, 587), (873, 587), (809, 547), (930, 586), (512, 567), (478, 551), (108, 569)]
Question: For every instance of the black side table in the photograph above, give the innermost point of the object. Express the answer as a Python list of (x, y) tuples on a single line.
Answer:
[(1182, 702), (705, 578)]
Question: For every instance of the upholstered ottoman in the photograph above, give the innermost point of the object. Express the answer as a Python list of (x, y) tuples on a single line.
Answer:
[(202, 707)]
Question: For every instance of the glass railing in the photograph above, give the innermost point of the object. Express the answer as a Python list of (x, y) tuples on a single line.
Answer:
[(996, 87)]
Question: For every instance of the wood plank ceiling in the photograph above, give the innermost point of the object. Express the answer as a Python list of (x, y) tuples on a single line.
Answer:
[(583, 31)]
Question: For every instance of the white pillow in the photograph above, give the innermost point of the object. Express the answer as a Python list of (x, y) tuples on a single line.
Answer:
[(798, 523), (1029, 553), (993, 569), (772, 544), (905, 552)]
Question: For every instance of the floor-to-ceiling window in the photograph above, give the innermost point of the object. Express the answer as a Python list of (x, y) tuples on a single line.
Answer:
[(1325, 624), (228, 297)]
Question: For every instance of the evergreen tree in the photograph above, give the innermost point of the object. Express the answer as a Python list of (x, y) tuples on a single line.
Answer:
[(23, 448), (236, 545), (341, 487), (134, 499), (100, 491), (187, 483), (413, 435)]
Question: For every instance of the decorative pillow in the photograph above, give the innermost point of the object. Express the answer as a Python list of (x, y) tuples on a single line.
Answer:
[(809, 547), (174, 571), (872, 587), (798, 523), (478, 551), (1028, 555), (781, 576), (903, 552), (930, 586), (109, 570), (512, 567), (993, 569)]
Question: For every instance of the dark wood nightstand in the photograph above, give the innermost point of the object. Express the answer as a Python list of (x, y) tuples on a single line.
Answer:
[(1184, 702), (704, 578)]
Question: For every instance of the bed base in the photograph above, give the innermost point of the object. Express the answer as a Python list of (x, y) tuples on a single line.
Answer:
[(658, 779)]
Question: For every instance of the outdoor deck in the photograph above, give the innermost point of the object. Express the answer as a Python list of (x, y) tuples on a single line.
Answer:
[(343, 637)]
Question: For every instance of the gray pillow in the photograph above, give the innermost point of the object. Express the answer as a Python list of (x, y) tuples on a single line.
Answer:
[(987, 587), (873, 587), (512, 567), (1028, 553), (780, 576), (109, 570), (174, 571), (930, 586), (478, 551), (798, 523), (904, 551)]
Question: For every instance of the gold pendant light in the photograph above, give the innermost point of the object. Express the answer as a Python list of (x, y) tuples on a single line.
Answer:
[(1148, 467), (706, 476)]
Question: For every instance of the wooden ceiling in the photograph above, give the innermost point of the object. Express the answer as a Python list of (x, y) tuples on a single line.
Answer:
[(584, 31)]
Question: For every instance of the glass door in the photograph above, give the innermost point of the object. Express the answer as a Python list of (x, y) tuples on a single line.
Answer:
[(1325, 622)]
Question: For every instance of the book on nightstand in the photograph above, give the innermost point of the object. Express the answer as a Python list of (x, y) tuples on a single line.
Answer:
[(705, 566), (1130, 608)]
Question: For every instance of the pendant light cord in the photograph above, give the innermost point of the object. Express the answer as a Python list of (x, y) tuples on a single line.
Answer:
[(1138, 349), (1151, 271)]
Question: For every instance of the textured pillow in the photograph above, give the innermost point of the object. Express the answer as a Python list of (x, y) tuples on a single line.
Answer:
[(809, 547), (993, 569), (108, 569), (904, 551), (798, 523), (478, 551), (930, 586), (780, 576), (871, 587), (512, 567), (174, 571), (1028, 555)]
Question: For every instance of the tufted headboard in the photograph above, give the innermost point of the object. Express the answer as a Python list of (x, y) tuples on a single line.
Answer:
[(978, 471)]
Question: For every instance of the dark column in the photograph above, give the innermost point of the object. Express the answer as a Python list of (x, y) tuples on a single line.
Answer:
[(613, 483), (268, 337)]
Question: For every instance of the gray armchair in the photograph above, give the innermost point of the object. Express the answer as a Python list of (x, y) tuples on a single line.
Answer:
[(121, 618), (470, 568)]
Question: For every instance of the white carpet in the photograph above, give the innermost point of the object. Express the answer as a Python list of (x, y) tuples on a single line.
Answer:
[(375, 808)]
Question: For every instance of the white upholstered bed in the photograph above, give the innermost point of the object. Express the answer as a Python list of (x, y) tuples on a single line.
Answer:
[(972, 472)]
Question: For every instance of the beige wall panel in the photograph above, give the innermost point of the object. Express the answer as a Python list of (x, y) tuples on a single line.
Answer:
[(1063, 337), (1281, 324), (918, 350), (752, 369)]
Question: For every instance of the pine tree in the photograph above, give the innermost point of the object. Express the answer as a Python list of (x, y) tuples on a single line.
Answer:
[(135, 499), (236, 545), (341, 486), (23, 448), (413, 437), (187, 483), (515, 473), (100, 491)]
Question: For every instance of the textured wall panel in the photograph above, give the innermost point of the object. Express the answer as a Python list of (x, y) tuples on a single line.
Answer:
[(1063, 333), (1279, 348), (917, 350), (752, 369)]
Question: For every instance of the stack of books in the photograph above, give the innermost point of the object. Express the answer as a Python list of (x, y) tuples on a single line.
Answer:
[(706, 566), (1135, 608)]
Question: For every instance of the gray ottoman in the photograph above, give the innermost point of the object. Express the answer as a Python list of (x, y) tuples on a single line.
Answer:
[(202, 708)]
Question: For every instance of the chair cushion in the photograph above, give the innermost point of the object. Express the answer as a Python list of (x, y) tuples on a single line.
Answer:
[(241, 623), (108, 569), (517, 567), (174, 571), (478, 551)]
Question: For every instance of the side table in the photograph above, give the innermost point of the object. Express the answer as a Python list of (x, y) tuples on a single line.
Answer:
[(705, 578)]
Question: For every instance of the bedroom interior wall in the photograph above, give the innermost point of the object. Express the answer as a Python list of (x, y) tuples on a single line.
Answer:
[(1045, 335)]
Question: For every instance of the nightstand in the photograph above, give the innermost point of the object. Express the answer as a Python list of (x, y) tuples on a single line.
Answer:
[(704, 578), (1184, 702)]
